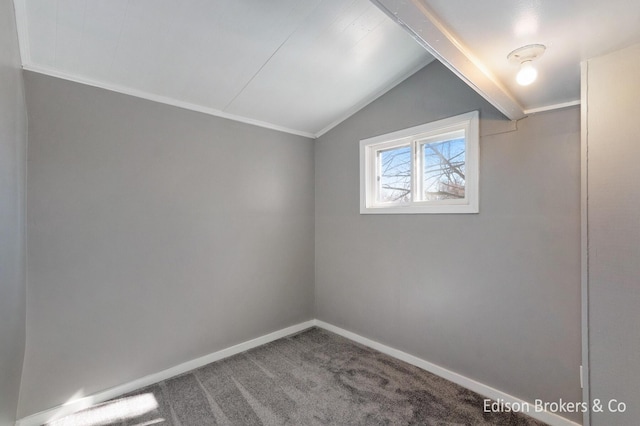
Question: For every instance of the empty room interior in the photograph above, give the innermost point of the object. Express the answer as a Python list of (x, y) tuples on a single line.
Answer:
[(319, 212)]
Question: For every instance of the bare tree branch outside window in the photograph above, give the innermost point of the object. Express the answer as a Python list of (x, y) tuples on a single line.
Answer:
[(443, 174), (395, 175), (444, 170)]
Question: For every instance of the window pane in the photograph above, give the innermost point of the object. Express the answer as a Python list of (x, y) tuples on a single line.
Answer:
[(394, 179), (443, 170)]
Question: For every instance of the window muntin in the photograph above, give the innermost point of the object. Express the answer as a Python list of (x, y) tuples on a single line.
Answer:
[(432, 168)]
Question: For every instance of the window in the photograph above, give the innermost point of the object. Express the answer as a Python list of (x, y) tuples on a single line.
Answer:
[(432, 168)]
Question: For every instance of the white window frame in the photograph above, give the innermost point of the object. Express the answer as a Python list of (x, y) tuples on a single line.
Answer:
[(467, 123)]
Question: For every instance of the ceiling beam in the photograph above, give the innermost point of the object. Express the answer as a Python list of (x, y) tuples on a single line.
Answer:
[(419, 21)]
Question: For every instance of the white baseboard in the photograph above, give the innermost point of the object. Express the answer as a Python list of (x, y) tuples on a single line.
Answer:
[(484, 390), (86, 402)]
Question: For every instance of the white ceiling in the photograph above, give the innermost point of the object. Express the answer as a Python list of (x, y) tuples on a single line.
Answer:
[(474, 38), (300, 66), (303, 66), (572, 30)]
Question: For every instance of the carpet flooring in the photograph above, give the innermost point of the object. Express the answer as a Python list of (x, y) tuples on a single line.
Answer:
[(311, 378)]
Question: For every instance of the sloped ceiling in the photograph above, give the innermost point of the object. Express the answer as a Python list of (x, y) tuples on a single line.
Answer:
[(572, 30), (292, 65), (474, 38), (303, 66)]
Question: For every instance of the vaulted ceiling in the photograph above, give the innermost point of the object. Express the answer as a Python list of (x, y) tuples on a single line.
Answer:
[(294, 65), (474, 38), (303, 66)]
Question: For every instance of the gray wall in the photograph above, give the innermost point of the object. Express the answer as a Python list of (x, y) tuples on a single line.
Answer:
[(493, 296), (13, 141), (155, 235), (614, 232)]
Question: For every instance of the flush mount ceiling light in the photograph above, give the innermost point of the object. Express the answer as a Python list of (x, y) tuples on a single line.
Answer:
[(524, 56)]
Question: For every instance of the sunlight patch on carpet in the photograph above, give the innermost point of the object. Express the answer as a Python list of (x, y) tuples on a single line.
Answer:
[(118, 410)]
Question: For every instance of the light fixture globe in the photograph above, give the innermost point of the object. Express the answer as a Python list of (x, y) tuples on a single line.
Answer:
[(524, 56), (527, 74)]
